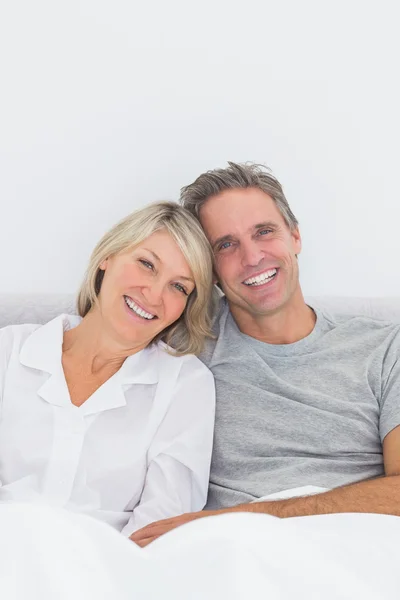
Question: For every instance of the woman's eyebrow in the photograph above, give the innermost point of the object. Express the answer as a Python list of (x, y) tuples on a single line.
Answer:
[(153, 253), (159, 260)]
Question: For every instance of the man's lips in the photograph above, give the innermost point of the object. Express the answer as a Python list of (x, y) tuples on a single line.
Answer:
[(261, 278)]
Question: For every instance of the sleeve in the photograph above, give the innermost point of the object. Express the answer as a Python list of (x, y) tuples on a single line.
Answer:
[(390, 394), (180, 454)]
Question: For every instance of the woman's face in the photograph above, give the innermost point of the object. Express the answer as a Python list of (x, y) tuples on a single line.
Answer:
[(145, 289)]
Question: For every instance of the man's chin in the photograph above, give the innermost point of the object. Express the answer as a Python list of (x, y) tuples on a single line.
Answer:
[(256, 309), (266, 300)]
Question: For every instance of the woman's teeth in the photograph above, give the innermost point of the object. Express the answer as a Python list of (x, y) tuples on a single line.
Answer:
[(261, 279), (136, 309)]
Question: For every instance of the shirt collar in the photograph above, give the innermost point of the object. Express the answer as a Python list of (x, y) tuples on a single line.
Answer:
[(142, 367), (43, 350)]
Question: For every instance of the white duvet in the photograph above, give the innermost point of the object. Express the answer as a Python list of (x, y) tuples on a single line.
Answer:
[(49, 554)]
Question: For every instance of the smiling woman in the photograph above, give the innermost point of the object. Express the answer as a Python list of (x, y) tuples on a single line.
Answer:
[(163, 250), (110, 413)]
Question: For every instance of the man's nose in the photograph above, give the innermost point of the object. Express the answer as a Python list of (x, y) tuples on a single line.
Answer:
[(251, 254)]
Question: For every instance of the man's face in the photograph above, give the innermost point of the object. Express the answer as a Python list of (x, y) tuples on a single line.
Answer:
[(255, 251)]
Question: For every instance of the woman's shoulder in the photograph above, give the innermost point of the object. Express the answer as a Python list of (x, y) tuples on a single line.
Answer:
[(186, 364), (16, 334), (193, 383), (12, 339)]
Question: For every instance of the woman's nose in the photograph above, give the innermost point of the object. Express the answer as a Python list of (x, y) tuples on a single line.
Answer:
[(153, 293)]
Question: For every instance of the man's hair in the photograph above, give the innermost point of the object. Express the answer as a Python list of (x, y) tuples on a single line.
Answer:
[(236, 176)]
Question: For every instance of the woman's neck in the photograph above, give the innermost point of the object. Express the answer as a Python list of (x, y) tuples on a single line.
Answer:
[(94, 347)]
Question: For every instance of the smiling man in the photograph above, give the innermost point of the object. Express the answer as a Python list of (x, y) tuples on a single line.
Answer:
[(303, 399)]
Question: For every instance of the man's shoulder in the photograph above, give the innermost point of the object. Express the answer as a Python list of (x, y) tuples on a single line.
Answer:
[(220, 314), (220, 329), (356, 325), (359, 339)]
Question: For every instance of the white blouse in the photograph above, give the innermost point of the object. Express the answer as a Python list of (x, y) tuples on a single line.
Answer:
[(136, 451)]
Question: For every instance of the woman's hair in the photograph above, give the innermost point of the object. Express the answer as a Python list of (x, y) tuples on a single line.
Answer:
[(187, 334)]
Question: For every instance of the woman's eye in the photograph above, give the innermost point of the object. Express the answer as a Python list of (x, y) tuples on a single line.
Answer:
[(146, 263), (180, 288)]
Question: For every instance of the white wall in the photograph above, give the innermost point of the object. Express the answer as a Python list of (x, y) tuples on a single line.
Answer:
[(108, 104)]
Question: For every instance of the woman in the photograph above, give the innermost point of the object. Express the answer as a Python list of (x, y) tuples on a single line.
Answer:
[(98, 413)]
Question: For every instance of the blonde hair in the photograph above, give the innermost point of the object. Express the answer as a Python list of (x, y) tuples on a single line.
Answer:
[(188, 333)]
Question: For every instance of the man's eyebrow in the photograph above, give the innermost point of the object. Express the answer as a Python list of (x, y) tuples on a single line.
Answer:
[(221, 240), (270, 224), (159, 260), (229, 236)]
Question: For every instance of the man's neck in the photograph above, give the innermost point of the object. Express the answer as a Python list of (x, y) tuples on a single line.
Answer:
[(287, 325)]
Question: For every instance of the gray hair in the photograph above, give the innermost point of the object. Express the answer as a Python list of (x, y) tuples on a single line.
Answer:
[(236, 176), (188, 333)]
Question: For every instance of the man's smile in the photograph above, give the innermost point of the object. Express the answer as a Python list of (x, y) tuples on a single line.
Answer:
[(262, 278)]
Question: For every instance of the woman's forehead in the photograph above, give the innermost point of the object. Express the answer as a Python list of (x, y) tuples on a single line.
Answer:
[(164, 249)]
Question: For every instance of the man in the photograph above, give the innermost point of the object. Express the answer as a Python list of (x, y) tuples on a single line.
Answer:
[(302, 399)]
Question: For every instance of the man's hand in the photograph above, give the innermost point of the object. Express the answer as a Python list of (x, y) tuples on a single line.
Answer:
[(151, 532), (381, 496)]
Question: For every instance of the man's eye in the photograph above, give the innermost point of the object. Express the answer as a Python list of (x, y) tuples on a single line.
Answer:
[(146, 263), (225, 245), (264, 231), (180, 288)]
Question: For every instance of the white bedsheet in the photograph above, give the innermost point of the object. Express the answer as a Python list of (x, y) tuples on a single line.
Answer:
[(50, 554), (304, 490)]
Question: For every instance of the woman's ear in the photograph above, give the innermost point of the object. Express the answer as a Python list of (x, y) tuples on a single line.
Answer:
[(103, 265)]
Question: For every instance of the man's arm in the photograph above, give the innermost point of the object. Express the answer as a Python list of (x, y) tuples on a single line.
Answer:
[(380, 496), (373, 496)]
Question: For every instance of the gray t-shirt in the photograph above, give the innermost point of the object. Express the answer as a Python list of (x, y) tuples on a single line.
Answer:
[(310, 413)]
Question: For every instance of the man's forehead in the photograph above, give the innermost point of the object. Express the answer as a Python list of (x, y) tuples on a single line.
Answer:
[(238, 199), (238, 211)]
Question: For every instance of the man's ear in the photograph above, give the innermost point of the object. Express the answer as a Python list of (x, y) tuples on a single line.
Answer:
[(215, 280), (296, 237)]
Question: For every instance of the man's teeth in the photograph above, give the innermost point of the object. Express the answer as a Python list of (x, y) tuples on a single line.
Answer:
[(261, 279), (136, 309)]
